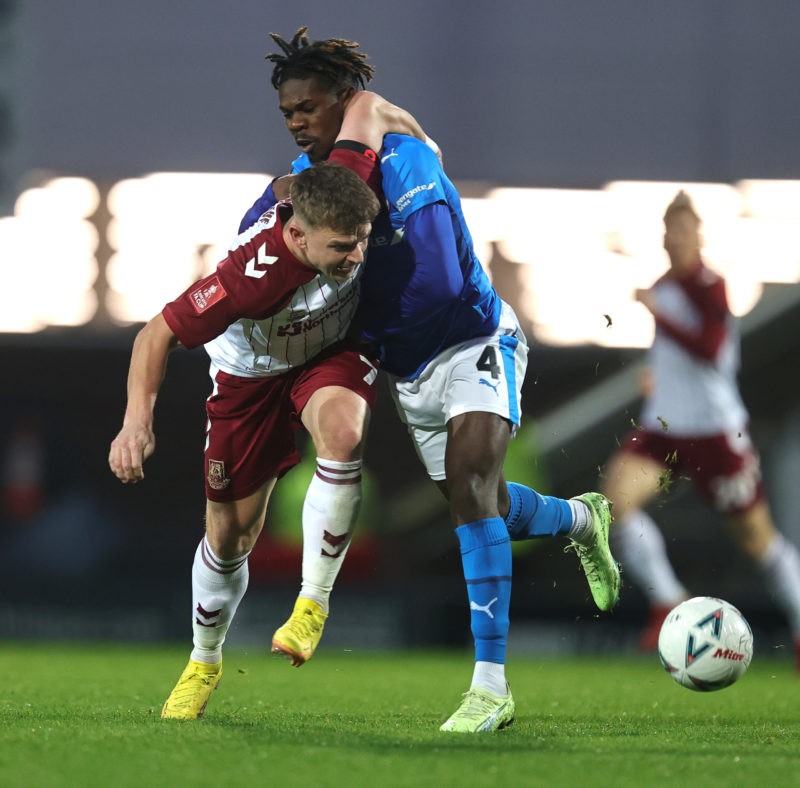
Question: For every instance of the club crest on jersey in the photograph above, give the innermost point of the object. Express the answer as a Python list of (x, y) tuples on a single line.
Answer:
[(216, 475), (207, 295)]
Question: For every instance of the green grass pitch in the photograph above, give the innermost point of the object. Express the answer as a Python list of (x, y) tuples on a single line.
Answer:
[(88, 715)]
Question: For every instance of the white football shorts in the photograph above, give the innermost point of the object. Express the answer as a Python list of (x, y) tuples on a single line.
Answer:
[(483, 374)]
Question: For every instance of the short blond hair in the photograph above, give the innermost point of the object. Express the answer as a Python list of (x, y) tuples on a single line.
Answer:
[(681, 202), (332, 196)]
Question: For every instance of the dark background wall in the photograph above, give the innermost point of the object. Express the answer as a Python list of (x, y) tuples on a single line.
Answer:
[(517, 92)]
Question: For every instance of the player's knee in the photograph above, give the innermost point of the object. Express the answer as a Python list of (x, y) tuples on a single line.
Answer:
[(230, 537), (472, 494), (341, 443)]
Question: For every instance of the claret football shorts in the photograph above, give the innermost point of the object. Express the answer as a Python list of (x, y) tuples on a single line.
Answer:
[(250, 433), (725, 469)]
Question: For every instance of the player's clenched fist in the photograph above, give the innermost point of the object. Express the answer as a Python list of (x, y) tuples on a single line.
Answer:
[(129, 450)]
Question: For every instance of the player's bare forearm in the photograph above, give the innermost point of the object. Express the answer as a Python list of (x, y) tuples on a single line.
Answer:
[(281, 186), (368, 116), (151, 348), (136, 440)]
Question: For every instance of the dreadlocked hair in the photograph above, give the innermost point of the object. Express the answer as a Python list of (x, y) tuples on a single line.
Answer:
[(334, 61)]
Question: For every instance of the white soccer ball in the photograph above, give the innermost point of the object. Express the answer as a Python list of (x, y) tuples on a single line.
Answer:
[(705, 644)]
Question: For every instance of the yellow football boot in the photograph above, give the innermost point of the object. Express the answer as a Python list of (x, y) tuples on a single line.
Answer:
[(300, 635), (481, 711), (188, 699)]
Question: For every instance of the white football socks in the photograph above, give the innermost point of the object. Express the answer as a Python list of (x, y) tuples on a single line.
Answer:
[(638, 544), (490, 676), (217, 589), (780, 568), (582, 520), (330, 511)]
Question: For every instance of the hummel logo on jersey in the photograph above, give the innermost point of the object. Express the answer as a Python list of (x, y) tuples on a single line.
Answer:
[(261, 259), (483, 608), (388, 156), (492, 386)]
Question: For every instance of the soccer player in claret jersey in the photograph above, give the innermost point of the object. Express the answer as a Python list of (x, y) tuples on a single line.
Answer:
[(454, 352), (694, 424), (273, 318)]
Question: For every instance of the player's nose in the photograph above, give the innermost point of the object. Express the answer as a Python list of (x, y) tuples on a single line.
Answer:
[(357, 255)]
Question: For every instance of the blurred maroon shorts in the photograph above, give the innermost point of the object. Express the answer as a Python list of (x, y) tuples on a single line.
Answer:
[(252, 422), (725, 469)]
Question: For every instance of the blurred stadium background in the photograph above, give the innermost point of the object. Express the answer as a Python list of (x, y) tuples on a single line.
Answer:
[(132, 138)]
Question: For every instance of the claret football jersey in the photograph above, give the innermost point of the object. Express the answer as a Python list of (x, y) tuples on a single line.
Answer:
[(695, 391), (263, 311)]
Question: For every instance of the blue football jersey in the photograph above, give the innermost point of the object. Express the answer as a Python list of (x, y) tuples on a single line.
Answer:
[(423, 288)]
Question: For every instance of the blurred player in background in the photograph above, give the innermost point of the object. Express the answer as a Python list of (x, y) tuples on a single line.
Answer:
[(455, 356), (693, 424), (273, 318)]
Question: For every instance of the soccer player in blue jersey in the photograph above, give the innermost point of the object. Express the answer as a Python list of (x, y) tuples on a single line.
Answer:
[(453, 350)]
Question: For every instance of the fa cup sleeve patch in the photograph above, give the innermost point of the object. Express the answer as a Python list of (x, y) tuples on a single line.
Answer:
[(207, 295)]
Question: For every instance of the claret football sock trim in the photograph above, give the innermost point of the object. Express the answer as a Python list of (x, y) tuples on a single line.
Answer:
[(339, 472), (217, 564), (217, 589), (330, 511)]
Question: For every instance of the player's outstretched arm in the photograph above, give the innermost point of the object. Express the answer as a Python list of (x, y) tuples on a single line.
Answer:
[(136, 440), (368, 116)]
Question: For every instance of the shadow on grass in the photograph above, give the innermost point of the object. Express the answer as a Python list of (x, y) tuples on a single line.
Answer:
[(577, 736)]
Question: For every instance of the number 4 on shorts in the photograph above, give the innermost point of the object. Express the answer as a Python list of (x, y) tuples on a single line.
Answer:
[(488, 362)]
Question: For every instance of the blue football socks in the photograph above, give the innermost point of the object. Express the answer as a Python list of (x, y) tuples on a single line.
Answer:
[(486, 558), (533, 516)]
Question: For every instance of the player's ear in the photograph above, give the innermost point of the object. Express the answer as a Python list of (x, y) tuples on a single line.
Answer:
[(298, 235)]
